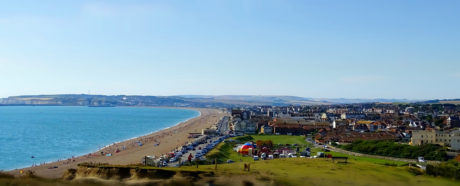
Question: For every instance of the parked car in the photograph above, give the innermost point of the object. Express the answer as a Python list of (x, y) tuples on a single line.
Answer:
[(421, 159), (320, 154)]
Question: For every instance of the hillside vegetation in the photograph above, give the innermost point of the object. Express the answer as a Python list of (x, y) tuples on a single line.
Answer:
[(389, 148)]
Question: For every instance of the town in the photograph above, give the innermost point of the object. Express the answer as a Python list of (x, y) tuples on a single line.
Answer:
[(414, 124), (326, 125)]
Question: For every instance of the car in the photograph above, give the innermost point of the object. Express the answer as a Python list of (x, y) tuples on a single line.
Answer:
[(421, 159), (230, 161), (291, 155), (256, 158), (320, 154)]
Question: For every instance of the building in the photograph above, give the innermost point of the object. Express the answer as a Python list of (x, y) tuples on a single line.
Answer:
[(296, 126), (266, 130), (344, 136), (453, 122), (343, 116), (209, 131), (455, 140), (245, 127), (431, 136)]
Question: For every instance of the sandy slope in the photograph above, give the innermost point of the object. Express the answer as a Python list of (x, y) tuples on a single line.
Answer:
[(153, 144)]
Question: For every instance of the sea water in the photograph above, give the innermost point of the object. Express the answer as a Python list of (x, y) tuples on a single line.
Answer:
[(36, 134)]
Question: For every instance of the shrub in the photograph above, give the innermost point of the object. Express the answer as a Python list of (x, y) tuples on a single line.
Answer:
[(415, 171), (450, 169), (390, 148)]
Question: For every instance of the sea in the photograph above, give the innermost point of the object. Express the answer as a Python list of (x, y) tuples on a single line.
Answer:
[(36, 134)]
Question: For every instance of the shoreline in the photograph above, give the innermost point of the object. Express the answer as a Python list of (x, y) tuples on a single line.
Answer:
[(114, 143), (129, 151)]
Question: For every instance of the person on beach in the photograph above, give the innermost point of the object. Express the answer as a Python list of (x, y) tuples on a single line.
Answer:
[(190, 156)]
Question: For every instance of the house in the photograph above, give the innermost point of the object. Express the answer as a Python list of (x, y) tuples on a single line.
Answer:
[(453, 122), (266, 130), (343, 116), (245, 127), (296, 125), (455, 140), (344, 136), (375, 126)]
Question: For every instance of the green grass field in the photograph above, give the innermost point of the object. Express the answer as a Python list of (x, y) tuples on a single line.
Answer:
[(228, 153), (360, 158), (282, 139), (305, 171), (224, 152)]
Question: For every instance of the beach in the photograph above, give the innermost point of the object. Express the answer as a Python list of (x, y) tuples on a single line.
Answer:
[(130, 151)]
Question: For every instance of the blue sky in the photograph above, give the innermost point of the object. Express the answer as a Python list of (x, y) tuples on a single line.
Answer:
[(334, 49)]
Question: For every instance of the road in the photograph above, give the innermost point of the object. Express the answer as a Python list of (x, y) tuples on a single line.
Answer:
[(223, 125), (222, 128)]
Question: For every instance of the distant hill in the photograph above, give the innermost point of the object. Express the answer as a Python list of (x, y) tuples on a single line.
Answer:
[(292, 100), (179, 101), (104, 100), (443, 101), (255, 100), (377, 100)]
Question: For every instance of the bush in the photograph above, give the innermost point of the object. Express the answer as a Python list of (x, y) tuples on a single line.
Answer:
[(264, 143), (415, 171), (450, 169), (5, 175), (390, 148)]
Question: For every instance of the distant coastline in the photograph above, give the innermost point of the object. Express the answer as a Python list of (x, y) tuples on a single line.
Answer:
[(198, 101)]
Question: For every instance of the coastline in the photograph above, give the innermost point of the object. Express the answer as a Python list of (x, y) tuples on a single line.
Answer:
[(128, 151)]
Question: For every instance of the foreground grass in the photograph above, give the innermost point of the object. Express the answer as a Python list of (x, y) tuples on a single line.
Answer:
[(290, 171), (305, 171)]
